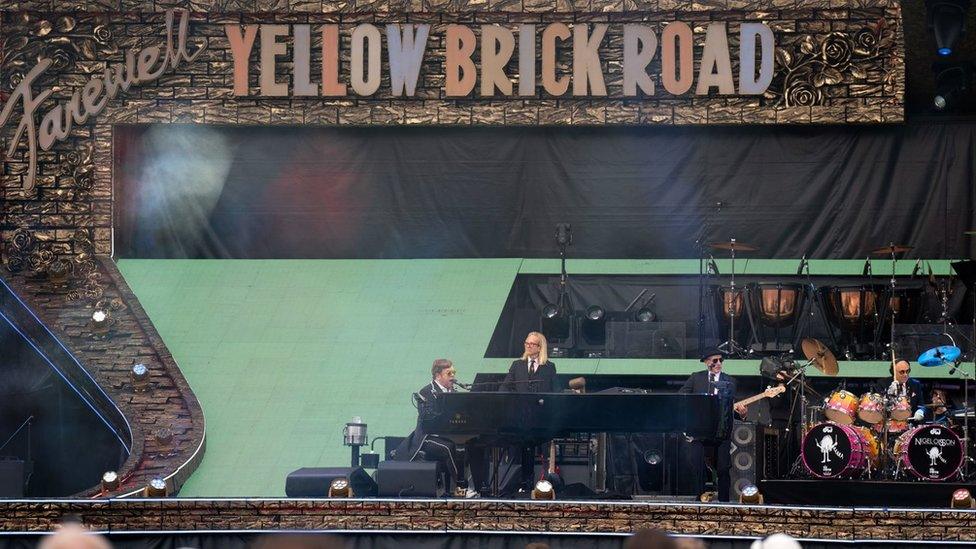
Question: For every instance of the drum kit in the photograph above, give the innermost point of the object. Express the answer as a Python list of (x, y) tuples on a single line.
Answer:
[(871, 437), (867, 436)]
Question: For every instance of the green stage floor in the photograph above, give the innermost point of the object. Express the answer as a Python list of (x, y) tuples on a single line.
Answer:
[(283, 353)]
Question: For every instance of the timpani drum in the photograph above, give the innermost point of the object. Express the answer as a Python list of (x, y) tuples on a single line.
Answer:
[(777, 303)]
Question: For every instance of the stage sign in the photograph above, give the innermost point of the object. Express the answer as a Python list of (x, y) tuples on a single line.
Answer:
[(680, 68)]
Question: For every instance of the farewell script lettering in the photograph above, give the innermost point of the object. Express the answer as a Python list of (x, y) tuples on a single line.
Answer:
[(139, 67)]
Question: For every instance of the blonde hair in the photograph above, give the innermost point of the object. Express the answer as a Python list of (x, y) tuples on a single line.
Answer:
[(543, 348)]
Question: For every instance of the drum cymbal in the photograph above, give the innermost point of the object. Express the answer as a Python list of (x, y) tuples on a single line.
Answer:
[(733, 245), (939, 356), (962, 412), (969, 233), (820, 356), (891, 249)]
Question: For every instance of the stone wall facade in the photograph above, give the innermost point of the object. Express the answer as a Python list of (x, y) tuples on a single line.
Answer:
[(165, 420), (847, 524)]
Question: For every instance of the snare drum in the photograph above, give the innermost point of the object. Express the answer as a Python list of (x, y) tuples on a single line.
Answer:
[(900, 408), (929, 452), (871, 408), (832, 450), (841, 407)]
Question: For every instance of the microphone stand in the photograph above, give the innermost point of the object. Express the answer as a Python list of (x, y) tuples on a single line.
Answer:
[(703, 274), (957, 367)]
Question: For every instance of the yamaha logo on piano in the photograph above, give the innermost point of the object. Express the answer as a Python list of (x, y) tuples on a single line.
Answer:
[(459, 419)]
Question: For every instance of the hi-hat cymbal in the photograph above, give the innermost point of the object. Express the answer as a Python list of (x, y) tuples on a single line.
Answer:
[(820, 356), (969, 233), (891, 249), (733, 245)]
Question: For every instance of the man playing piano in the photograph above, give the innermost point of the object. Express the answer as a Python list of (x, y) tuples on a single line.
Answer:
[(712, 381), (533, 373), (423, 446)]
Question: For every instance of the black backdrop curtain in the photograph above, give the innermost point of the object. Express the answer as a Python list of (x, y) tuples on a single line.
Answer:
[(401, 192)]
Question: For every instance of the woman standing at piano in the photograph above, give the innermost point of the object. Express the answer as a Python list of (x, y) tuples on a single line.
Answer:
[(533, 373)]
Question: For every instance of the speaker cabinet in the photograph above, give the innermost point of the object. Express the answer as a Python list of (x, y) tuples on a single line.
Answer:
[(745, 449), (409, 479), (313, 482)]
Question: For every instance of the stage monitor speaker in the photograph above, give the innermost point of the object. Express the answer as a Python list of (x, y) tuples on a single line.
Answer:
[(409, 479), (11, 477), (744, 449), (313, 482)]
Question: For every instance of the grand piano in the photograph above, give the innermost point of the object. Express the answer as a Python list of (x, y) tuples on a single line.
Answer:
[(499, 418)]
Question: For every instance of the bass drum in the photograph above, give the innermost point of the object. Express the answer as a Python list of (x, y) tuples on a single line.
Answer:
[(929, 452), (834, 450)]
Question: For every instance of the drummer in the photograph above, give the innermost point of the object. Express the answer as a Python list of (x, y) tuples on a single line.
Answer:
[(902, 385), (939, 409)]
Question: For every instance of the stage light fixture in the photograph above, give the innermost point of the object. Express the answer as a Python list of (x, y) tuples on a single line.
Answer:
[(947, 20), (156, 488), (595, 313), (962, 499), (653, 457), (644, 314), (555, 324), (594, 325), (750, 495), (953, 82), (340, 488), (140, 378), (110, 481), (100, 322), (543, 490), (354, 435), (564, 234)]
